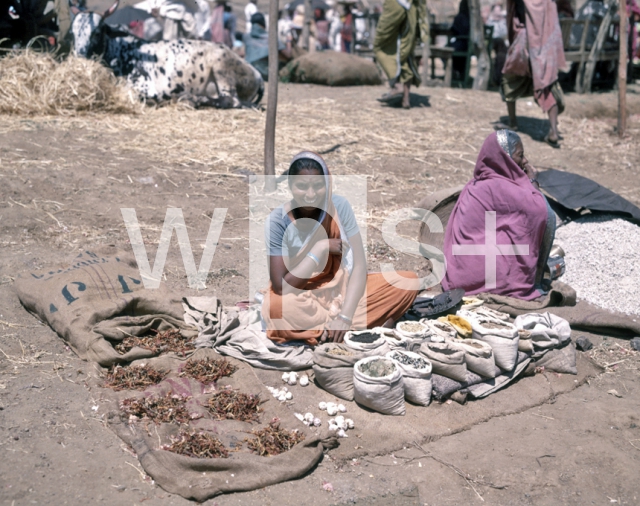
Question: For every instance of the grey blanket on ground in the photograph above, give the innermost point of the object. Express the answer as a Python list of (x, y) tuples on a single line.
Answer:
[(239, 334), (202, 478), (561, 301)]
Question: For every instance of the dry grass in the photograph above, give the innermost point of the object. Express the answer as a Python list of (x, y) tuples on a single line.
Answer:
[(34, 83)]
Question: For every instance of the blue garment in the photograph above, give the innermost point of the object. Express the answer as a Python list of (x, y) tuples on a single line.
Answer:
[(256, 45)]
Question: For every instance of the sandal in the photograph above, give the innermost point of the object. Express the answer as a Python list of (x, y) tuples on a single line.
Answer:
[(553, 144)]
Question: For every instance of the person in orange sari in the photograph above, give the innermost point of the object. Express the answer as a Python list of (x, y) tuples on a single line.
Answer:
[(319, 287)]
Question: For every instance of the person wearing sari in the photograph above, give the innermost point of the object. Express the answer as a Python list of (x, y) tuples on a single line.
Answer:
[(319, 287), (534, 58), (402, 24), (505, 183)]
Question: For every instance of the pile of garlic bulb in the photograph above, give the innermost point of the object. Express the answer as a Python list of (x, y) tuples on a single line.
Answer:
[(292, 378), (340, 425), (332, 408), (309, 419), (281, 394)]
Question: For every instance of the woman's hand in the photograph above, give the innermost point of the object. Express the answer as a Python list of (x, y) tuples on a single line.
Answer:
[(530, 170), (330, 247), (336, 330)]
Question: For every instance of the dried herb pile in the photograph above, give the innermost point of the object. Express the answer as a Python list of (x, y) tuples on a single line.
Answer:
[(161, 342), (208, 371), (233, 405), (168, 408), (133, 378), (272, 440), (197, 444), (339, 351)]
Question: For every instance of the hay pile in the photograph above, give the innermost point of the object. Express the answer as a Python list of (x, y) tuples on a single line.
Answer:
[(34, 83)]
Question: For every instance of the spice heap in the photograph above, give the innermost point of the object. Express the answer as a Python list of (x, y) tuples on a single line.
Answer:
[(339, 352), (208, 371), (272, 440), (133, 378), (197, 444), (415, 362), (412, 327), (233, 405), (364, 337), (494, 324), (165, 409), (377, 368), (169, 340)]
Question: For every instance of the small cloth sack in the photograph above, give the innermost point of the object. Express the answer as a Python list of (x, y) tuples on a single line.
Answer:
[(412, 330), (363, 346), (333, 367), (446, 359), (383, 393), (416, 378), (478, 356), (462, 325), (502, 337), (440, 331)]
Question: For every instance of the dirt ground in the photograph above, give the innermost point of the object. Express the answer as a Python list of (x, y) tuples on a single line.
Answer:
[(64, 180)]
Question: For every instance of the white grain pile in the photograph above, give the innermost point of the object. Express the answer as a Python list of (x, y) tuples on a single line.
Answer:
[(603, 261)]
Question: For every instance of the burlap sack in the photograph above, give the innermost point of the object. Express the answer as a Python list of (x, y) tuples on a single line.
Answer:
[(384, 395), (332, 69), (200, 479), (96, 301), (417, 382), (334, 372), (446, 360)]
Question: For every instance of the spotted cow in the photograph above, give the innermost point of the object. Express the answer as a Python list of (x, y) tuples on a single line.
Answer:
[(205, 73)]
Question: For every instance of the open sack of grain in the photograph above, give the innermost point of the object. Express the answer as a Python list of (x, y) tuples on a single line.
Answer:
[(379, 385)]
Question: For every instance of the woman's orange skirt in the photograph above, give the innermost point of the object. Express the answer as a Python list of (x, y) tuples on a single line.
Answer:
[(304, 316)]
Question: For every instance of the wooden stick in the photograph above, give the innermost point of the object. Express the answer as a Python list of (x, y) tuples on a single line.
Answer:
[(481, 81), (272, 101), (306, 28), (622, 70), (594, 55)]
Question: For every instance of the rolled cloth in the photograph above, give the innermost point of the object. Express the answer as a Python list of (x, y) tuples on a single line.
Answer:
[(302, 316), (498, 185)]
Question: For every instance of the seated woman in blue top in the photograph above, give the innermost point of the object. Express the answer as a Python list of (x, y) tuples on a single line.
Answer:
[(317, 265)]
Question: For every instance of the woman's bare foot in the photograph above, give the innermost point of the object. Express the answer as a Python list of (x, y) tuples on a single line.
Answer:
[(406, 97)]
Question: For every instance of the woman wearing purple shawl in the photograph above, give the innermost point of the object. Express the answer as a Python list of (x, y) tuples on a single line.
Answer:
[(501, 230)]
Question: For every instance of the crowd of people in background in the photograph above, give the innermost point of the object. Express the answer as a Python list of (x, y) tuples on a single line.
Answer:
[(344, 25)]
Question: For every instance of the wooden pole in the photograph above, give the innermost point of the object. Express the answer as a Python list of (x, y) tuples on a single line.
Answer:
[(483, 71), (622, 70), (272, 101), (594, 55), (306, 29)]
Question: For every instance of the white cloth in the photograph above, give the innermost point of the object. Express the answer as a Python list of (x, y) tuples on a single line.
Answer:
[(239, 334), (249, 11)]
